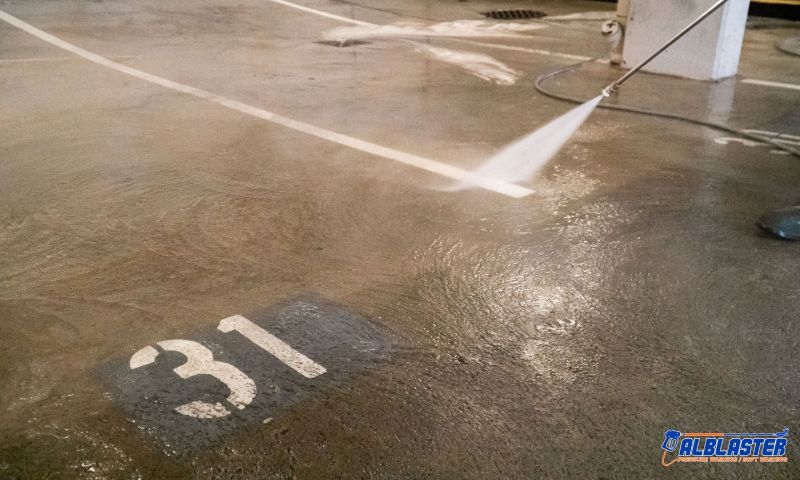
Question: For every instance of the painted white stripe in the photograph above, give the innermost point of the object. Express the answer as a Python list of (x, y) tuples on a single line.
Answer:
[(768, 83), (321, 13), (52, 59), (272, 344), (417, 161), (569, 56)]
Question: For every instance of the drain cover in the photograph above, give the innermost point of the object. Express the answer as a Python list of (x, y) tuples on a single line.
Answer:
[(505, 14), (343, 43)]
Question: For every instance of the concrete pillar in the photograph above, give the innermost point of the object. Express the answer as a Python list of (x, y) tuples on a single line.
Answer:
[(623, 6), (709, 52)]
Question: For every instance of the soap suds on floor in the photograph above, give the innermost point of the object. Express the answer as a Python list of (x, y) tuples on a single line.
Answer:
[(458, 28), (476, 64)]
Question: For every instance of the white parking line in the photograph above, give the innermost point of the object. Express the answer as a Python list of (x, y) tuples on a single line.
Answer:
[(499, 46), (321, 13), (4, 61), (417, 161), (768, 83)]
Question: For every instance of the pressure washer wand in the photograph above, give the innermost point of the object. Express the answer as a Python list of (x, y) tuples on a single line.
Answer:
[(612, 89)]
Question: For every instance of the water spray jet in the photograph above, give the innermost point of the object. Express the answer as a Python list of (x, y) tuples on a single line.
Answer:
[(523, 159), (784, 223)]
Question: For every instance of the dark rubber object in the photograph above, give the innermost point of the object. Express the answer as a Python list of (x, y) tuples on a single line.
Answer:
[(783, 222)]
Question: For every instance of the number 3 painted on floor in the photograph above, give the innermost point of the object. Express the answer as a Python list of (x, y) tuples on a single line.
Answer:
[(200, 361)]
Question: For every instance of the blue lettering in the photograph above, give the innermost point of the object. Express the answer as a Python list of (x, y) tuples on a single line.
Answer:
[(708, 448), (780, 447), (696, 448), (757, 442), (744, 449), (769, 446), (719, 452), (686, 447), (733, 446)]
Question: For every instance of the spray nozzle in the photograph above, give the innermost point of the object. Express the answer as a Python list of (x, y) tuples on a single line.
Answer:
[(610, 90)]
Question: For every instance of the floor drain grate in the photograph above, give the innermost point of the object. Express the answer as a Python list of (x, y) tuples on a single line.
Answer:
[(343, 43), (505, 14)]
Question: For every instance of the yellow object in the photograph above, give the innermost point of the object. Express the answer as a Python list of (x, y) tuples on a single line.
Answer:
[(779, 2)]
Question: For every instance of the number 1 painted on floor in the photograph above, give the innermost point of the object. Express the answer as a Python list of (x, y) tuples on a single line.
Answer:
[(272, 344)]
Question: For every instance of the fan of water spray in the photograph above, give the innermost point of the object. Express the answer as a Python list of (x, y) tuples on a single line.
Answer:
[(522, 159)]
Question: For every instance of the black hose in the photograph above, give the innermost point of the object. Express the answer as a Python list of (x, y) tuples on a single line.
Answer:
[(671, 116)]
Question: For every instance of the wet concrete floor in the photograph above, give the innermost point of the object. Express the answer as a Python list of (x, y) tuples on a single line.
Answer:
[(463, 334)]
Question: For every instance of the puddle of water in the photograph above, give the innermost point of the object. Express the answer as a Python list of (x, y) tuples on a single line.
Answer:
[(459, 28)]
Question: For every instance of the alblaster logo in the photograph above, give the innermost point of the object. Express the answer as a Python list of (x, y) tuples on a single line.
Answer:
[(724, 447)]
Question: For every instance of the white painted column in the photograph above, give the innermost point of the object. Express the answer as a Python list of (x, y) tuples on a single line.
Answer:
[(709, 52), (623, 6)]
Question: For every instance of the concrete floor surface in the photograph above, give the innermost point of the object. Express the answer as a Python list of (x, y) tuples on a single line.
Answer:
[(464, 334)]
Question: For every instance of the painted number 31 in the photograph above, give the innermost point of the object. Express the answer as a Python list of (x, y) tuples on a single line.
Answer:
[(200, 361)]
